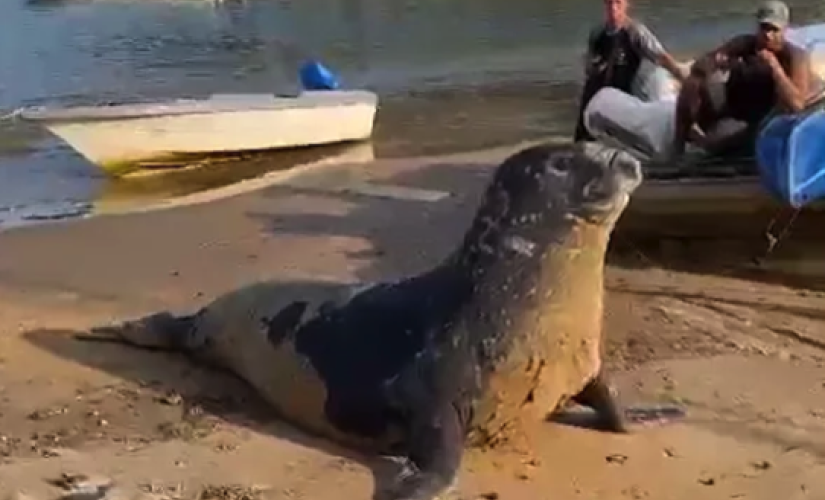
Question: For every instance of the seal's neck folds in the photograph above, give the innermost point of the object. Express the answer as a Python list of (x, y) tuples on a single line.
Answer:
[(560, 260)]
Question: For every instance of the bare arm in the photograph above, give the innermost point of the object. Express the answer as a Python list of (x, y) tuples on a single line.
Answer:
[(792, 91), (672, 66), (651, 48), (720, 56)]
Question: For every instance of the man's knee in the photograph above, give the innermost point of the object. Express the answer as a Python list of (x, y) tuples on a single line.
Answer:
[(692, 87)]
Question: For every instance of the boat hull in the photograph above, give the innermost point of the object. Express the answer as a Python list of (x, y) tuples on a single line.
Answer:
[(116, 137), (733, 226), (698, 196)]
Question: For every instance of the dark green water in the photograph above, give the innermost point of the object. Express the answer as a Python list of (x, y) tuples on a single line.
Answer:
[(452, 74)]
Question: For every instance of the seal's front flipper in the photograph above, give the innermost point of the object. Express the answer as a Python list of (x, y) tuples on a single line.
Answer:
[(161, 331), (611, 416), (285, 323), (600, 396), (437, 448)]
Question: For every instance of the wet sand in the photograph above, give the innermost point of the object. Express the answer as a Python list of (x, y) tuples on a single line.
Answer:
[(743, 355)]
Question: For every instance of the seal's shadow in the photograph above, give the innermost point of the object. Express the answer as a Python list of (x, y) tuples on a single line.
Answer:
[(220, 394)]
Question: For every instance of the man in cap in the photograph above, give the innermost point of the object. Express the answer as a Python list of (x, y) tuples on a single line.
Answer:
[(767, 73), (615, 50)]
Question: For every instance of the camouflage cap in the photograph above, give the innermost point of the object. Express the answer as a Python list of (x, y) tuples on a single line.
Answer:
[(774, 12)]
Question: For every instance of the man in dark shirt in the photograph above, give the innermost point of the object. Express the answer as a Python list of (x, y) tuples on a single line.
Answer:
[(615, 49), (766, 73)]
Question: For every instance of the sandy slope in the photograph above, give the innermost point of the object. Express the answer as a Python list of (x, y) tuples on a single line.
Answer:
[(744, 356)]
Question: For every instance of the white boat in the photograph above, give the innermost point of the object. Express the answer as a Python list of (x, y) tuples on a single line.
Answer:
[(117, 137)]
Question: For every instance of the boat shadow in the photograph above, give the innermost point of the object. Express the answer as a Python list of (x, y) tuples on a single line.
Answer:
[(765, 245), (183, 175)]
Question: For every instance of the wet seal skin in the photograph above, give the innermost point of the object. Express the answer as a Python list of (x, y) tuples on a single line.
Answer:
[(507, 327)]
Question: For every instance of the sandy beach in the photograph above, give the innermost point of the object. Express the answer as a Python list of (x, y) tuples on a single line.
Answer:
[(745, 357)]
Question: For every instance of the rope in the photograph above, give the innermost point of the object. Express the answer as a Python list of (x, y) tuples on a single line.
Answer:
[(773, 241)]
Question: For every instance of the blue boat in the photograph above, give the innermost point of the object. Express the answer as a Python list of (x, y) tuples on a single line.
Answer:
[(790, 155)]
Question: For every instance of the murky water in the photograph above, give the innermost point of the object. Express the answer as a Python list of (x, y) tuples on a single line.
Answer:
[(452, 74)]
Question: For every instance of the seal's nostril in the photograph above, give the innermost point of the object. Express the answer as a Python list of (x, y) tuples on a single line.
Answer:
[(628, 170), (600, 187)]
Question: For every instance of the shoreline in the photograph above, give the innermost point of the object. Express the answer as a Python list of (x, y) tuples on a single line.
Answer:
[(354, 184), (350, 156), (358, 159), (235, 226)]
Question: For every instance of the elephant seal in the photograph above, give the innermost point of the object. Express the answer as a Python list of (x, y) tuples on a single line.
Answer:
[(506, 327)]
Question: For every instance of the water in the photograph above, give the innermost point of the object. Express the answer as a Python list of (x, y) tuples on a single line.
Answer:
[(452, 74)]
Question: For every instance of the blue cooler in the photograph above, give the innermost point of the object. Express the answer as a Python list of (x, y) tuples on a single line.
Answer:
[(790, 155), (316, 76)]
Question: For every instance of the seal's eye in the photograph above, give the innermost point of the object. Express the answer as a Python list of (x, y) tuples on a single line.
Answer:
[(560, 165)]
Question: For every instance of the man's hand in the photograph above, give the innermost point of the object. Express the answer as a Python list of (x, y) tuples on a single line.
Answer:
[(769, 57), (680, 72), (713, 61), (595, 66), (683, 73), (721, 61)]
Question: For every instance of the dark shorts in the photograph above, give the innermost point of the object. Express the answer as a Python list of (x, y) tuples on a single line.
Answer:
[(708, 114)]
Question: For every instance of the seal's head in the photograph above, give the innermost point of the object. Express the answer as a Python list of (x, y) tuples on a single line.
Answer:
[(589, 180), (552, 186)]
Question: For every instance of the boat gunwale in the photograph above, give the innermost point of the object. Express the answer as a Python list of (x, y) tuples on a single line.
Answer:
[(183, 107)]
